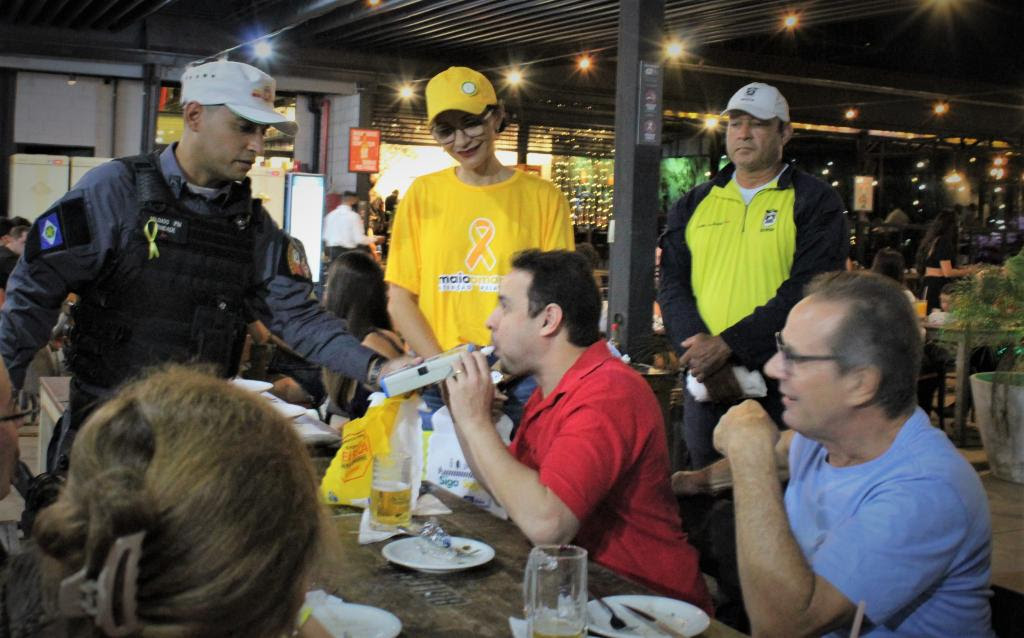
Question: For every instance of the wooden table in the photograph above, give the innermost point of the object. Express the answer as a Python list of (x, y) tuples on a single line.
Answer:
[(471, 604)]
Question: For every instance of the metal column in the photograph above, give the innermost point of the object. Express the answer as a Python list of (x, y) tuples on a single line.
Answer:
[(150, 104), (8, 93), (638, 115), (367, 96)]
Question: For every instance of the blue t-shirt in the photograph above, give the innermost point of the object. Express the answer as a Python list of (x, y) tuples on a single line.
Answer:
[(908, 533)]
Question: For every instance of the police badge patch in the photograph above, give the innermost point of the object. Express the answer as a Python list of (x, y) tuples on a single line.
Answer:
[(770, 217), (293, 260), (61, 227)]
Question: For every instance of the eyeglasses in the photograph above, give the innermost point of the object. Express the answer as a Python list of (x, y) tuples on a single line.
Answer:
[(26, 408), (473, 127), (790, 358)]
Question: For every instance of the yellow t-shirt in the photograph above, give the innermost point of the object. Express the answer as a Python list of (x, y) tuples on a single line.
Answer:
[(451, 243)]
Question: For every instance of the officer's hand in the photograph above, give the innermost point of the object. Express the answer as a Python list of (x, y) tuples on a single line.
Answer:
[(704, 354), (394, 365)]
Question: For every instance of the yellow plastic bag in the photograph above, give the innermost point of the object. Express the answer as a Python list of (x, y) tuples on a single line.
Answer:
[(350, 475)]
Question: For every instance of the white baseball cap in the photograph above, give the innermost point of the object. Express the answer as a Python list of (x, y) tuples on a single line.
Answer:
[(244, 89), (761, 100)]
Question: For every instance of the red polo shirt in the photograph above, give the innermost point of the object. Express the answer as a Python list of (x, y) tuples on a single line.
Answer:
[(598, 441)]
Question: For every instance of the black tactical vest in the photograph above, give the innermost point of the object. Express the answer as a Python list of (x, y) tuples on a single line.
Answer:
[(176, 294)]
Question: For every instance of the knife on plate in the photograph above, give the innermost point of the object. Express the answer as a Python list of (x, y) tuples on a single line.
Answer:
[(652, 621)]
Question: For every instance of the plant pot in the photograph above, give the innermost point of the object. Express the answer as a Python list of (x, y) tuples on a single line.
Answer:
[(999, 411)]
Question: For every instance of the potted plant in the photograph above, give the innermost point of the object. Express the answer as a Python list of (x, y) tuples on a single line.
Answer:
[(989, 308)]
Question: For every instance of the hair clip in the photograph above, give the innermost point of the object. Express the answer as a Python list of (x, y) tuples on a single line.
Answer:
[(81, 596)]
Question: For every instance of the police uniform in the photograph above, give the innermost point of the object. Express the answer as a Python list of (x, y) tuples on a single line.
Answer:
[(164, 274)]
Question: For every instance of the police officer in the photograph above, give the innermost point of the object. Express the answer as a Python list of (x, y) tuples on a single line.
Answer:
[(171, 257)]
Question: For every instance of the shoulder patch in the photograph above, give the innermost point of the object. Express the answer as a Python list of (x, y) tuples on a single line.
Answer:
[(293, 259), (61, 227)]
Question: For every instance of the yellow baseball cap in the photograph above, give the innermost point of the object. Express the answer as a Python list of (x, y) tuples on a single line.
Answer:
[(459, 88)]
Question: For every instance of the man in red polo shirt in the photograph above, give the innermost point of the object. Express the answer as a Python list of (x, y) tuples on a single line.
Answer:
[(589, 463)]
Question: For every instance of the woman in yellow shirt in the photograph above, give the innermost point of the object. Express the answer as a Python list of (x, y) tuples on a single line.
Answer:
[(456, 230)]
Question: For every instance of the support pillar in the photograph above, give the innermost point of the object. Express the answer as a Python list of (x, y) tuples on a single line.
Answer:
[(366, 98), (638, 119), (523, 143), (8, 92), (150, 104)]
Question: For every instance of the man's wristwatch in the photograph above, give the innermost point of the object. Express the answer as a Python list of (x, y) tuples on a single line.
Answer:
[(373, 371)]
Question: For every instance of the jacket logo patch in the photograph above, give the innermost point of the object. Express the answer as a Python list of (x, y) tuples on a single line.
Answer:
[(770, 217)]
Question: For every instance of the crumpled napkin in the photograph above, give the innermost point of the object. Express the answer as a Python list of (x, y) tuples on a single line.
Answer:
[(426, 505), (751, 382)]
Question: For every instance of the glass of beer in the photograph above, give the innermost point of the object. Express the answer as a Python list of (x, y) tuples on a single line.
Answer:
[(555, 591), (921, 306), (391, 491)]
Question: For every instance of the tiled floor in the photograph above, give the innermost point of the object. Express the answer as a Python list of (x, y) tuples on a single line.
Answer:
[(1006, 503)]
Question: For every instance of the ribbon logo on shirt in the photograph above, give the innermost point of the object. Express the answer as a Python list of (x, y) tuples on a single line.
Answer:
[(481, 234)]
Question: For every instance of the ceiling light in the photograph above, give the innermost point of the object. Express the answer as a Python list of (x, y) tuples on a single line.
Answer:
[(790, 21), (584, 62), (851, 114), (711, 122), (941, 108), (263, 49), (514, 77), (674, 49), (405, 92)]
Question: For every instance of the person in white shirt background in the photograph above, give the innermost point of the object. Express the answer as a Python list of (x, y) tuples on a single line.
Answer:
[(344, 229)]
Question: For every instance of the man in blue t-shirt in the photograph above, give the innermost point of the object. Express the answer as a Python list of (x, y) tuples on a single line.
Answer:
[(880, 510)]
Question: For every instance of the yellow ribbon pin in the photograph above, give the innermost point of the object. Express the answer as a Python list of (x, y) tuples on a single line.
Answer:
[(150, 230)]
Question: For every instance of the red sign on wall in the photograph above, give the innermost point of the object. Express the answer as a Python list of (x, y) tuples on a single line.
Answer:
[(363, 150)]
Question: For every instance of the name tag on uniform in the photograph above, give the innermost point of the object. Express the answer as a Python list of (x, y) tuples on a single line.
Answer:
[(171, 229)]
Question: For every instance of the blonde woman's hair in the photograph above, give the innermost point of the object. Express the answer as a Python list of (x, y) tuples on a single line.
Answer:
[(224, 490)]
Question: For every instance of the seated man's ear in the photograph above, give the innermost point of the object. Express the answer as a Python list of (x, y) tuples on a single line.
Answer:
[(552, 318), (862, 385)]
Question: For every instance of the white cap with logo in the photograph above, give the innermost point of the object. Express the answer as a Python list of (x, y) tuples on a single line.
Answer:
[(244, 89), (761, 100)]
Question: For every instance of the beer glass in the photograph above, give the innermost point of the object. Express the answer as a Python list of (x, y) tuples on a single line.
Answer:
[(391, 491), (555, 591), (921, 307)]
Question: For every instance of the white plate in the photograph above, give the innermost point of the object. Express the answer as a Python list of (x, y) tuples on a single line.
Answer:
[(289, 410), (682, 616), (345, 620), (252, 385), (407, 553)]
